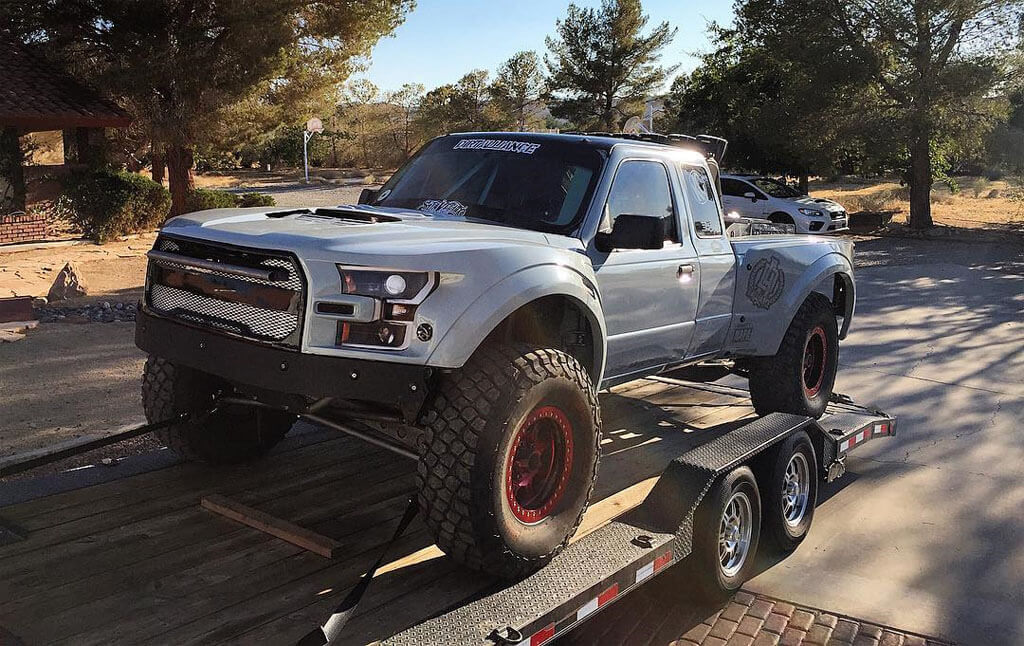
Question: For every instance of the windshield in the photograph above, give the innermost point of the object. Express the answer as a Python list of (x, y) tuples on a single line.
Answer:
[(544, 185), (775, 188)]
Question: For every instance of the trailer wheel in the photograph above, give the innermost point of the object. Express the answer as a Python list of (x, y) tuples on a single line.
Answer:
[(791, 493), (232, 434), (726, 530), (509, 458), (800, 377)]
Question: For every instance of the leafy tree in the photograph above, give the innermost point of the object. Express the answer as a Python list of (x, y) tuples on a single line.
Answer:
[(459, 107), (602, 66), (404, 103), (519, 85), (931, 66), (179, 65)]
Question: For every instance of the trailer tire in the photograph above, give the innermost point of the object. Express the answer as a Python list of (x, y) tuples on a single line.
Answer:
[(715, 573), (229, 435), (799, 378), (509, 457), (790, 493)]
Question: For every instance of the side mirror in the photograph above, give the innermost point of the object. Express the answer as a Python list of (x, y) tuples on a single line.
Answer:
[(635, 232), (750, 195), (368, 196)]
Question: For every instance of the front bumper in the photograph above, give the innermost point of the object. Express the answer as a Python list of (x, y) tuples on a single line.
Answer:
[(284, 371)]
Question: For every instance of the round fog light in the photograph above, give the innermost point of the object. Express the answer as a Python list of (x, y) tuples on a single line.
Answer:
[(385, 335), (394, 285)]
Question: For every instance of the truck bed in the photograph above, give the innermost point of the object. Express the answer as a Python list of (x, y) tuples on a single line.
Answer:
[(136, 559)]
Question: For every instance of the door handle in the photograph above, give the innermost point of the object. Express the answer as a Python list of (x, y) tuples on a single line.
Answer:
[(685, 273)]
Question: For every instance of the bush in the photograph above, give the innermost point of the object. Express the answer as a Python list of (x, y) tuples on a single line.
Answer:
[(106, 203), (201, 199), (255, 199)]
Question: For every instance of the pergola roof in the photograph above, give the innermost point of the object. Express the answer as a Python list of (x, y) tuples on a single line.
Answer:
[(34, 96)]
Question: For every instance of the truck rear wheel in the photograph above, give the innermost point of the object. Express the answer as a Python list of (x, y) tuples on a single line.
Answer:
[(791, 493), (231, 434), (726, 531), (509, 458), (800, 377)]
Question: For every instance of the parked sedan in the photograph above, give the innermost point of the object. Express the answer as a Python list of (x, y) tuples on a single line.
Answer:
[(753, 196)]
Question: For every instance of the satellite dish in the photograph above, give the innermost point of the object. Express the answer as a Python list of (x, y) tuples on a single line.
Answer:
[(635, 126), (315, 125)]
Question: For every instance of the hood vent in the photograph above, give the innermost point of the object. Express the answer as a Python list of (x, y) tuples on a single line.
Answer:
[(336, 216)]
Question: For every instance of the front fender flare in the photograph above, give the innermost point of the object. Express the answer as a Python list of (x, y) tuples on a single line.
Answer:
[(509, 294)]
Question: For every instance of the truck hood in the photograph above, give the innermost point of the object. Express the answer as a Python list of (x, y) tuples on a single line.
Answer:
[(820, 202), (356, 229)]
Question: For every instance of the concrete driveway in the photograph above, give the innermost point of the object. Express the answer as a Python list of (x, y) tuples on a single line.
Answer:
[(927, 532)]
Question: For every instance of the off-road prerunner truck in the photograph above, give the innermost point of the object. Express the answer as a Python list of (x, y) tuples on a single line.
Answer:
[(468, 312)]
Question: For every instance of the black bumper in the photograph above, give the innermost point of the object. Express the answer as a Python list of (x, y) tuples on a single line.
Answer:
[(278, 370)]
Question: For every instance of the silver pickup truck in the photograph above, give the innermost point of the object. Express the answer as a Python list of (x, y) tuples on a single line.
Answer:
[(468, 312)]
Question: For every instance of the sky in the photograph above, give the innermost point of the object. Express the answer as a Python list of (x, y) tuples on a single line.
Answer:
[(441, 40)]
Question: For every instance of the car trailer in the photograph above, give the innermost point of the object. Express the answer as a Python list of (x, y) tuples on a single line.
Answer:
[(631, 550), (628, 550)]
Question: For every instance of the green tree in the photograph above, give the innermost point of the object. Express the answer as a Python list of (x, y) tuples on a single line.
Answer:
[(931, 64), (179, 65), (601, 65), (403, 104), (519, 85)]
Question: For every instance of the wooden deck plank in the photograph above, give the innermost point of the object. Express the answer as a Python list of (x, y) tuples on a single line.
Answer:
[(277, 527)]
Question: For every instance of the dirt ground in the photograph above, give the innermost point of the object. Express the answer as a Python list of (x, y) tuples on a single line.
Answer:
[(978, 203)]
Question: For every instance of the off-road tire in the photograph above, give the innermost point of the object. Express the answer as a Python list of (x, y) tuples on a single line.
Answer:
[(704, 565), (780, 535), (466, 456), (230, 435), (777, 383)]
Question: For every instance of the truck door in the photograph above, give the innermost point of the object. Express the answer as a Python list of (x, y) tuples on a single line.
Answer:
[(717, 261), (649, 296)]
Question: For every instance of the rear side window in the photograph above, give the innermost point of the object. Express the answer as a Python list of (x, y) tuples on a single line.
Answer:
[(700, 194), (641, 188), (734, 187)]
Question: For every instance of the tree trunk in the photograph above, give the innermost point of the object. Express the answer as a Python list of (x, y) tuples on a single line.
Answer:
[(805, 184), (159, 168), (179, 177), (920, 181), (12, 173)]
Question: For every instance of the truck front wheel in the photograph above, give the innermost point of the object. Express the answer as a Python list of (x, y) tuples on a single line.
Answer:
[(509, 458), (799, 378), (230, 434)]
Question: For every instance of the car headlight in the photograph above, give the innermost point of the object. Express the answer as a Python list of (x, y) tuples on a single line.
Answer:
[(381, 283), (399, 293), (814, 213)]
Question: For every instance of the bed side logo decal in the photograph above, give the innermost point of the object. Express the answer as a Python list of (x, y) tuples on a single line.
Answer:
[(766, 282)]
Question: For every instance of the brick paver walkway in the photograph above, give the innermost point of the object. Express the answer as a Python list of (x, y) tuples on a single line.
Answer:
[(659, 617)]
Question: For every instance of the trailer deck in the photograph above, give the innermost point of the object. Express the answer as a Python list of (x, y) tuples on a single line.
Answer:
[(137, 560)]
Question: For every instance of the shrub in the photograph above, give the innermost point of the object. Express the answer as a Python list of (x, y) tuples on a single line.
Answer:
[(255, 199), (106, 203), (201, 199)]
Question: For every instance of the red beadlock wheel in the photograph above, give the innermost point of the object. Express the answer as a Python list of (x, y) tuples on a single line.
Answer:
[(539, 464), (815, 360)]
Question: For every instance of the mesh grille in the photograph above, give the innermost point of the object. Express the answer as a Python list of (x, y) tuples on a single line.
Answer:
[(267, 325)]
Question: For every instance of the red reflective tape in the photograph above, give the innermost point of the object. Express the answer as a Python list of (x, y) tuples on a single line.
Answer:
[(607, 595), (662, 561), (542, 635)]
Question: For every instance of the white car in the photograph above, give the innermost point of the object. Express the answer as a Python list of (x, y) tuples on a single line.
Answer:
[(753, 196)]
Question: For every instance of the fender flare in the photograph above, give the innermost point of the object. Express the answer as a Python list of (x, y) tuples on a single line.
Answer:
[(818, 277), (461, 340)]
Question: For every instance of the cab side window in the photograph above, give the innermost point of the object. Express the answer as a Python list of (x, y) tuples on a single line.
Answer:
[(700, 195), (642, 188)]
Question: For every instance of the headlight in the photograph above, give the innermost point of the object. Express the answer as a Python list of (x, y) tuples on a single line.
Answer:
[(377, 283), (814, 213)]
